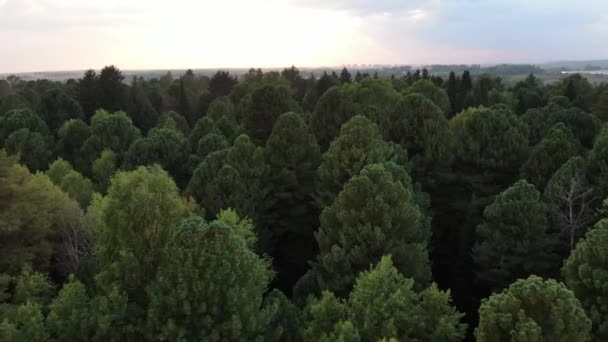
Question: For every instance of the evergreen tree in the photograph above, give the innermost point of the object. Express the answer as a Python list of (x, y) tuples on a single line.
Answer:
[(163, 146), (345, 76), (586, 274), (69, 317), (292, 155), (514, 240), (421, 127), (431, 91), (598, 162), (210, 286), (359, 144), (139, 217), (267, 103), (490, 139), (374, 214), (383, 305), (333, 109), (452, 91), (111, 89), (88, 93), (533, 309), (554, 150)]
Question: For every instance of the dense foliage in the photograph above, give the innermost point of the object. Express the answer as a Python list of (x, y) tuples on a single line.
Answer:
[(278, 206)]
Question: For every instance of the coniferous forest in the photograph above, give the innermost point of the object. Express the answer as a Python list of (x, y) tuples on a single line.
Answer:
[(284, 206)]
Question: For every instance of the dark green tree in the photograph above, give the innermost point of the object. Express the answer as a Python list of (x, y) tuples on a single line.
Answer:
[(111, 89), (514, 241), (419, 125), (375, 214), (490, 139), (345, 76), (71, 136), (598, 162), (359, 144), (88, 93), (553, 151), (292, 155), (165, 147), (267, 103), (333, 109)]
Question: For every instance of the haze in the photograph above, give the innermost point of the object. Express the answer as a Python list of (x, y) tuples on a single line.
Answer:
[(48, 35)]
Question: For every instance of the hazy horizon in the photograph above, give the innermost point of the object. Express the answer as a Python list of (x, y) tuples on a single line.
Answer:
[(68, 35)]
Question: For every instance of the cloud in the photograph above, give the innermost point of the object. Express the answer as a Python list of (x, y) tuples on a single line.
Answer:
[(56, 15), (68, 34), (363, 7)]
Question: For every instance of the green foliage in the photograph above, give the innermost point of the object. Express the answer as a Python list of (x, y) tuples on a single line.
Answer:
[(586, 274), (287, 319), (139, 217), (333, 109), (209, 287), (202, 127), (103, 168), (553, 151), (533, 310), (17, 119), (514, 241), (162, 146), (71, 182), (175, 121), (29, 217), (69, 317), (26, 326), (489, 139), (140, 108), (71, 136), (292, 156), (375, 214), (598, 161), (267, 103), (31, 146), (422, 128), (202, 187), (33, 287), (434, 93), (359, 144), (585, 126), (113, 131), (210, 143), (384, 305)]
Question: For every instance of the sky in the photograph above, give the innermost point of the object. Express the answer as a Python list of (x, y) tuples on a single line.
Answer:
[(54, 35)]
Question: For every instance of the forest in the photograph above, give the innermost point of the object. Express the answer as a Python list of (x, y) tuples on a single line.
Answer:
[(284, 206)]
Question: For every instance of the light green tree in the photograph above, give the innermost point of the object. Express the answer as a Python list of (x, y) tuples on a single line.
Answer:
[(533, 310)]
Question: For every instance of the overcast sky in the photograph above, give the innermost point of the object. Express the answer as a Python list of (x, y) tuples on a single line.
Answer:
[(46, 35)]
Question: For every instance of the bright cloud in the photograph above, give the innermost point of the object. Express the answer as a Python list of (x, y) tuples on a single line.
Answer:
[(137, 34)]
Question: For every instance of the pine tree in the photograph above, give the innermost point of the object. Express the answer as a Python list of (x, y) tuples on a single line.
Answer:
[(554, 150), (359, 144), (586, 274), (513, 241), (374, 214), (533, 309), (210, 286), (384, 305), (292, 155)]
